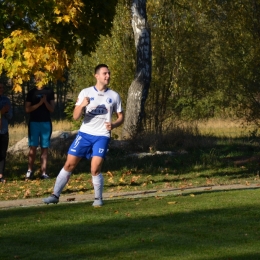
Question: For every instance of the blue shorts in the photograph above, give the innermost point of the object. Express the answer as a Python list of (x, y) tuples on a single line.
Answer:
[(87, 146), (39, 132)]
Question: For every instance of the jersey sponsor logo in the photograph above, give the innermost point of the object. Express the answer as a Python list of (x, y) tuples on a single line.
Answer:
[(109, 100), (101, 95), (101, 150), (99, 110), (76, 143), (73, 150), (92, 98)]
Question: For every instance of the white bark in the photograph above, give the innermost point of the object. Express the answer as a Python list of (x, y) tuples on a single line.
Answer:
[(138, 90)]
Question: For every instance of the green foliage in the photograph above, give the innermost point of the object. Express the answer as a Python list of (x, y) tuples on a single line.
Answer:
[(206, 59), (117, 51), (70, 105), (42, 37)]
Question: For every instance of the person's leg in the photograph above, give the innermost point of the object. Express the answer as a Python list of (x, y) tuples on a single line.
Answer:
[(64, 175), (31, 157), (62, 178), (99, 151), (33, 142), (4, 139), (45, 137), (97, 179), (44, 159)]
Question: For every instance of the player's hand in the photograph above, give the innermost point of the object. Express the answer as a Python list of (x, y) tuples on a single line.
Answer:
[(85, 102), (5, 109), (109, 126), (43, 98)]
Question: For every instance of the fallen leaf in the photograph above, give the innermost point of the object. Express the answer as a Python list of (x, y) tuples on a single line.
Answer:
[(110, 174), (27, 193), (172, 202), (111, 180), (122, 180)]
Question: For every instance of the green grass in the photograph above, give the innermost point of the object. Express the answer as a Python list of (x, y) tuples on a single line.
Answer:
[(209, 225), (199, 226), (207, 161)]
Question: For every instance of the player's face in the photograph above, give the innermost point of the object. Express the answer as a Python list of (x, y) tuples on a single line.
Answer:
[(103, 76)]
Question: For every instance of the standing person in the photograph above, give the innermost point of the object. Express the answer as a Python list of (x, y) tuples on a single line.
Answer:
[(5, 115), (39, 104), (98, 102)]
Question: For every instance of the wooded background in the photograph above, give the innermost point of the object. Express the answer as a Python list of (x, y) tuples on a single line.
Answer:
[(205, 61)]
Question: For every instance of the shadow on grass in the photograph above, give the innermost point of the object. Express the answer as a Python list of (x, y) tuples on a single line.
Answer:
[(208, 156), (136, 229)]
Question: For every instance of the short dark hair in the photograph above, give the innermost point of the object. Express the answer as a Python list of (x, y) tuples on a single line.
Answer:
[(99, 66)]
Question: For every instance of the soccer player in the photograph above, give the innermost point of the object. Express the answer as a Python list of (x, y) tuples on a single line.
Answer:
[(98, 102)]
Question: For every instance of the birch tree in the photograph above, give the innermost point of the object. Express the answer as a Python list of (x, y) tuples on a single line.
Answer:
[(138, 90)]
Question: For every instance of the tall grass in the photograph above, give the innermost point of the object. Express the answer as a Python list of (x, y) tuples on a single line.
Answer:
[(198, 160), (19, 131)]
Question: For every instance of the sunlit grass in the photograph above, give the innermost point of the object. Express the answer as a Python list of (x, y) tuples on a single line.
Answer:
[(192, 226), (225, 128), (19, 131), (208, 160)]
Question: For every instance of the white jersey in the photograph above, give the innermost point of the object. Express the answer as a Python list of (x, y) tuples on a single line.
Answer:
[(99, 110)]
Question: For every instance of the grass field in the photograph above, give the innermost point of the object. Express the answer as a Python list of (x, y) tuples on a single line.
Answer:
[(201, 159), (198, 226)]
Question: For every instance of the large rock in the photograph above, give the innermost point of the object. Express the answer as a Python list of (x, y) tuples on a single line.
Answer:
[(60, 140)]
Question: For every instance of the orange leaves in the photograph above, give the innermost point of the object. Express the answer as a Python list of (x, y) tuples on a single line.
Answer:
[(27, 193), (24, 54)]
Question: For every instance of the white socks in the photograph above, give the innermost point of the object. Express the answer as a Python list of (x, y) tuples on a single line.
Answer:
[(98, 183), (64, 176), (61, 181)]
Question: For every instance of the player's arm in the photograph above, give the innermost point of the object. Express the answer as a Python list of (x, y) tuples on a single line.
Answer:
[(50, 106), (77, 112), (119, 121), (29, 107)]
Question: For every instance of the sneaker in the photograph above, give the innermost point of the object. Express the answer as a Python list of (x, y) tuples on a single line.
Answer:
[(97, 203), (29, 175), (52, 199), (45, 176)]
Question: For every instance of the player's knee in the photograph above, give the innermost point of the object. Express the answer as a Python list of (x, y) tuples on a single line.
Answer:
[(69, 167)]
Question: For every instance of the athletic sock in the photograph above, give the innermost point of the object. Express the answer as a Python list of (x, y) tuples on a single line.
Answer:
[(98, 183), (61, 181)]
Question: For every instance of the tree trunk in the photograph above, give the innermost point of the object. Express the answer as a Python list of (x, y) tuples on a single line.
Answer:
[(138, 91)]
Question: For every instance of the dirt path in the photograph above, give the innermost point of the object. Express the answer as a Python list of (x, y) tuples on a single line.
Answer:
[(76, 198)]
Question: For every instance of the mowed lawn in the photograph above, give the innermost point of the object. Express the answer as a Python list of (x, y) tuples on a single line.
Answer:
[(198, 226)]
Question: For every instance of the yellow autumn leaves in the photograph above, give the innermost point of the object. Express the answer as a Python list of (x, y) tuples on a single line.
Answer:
[(27, 53), (68, 11)]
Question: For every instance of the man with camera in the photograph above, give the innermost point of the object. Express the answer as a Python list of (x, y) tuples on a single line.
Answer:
[(39, 104)]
